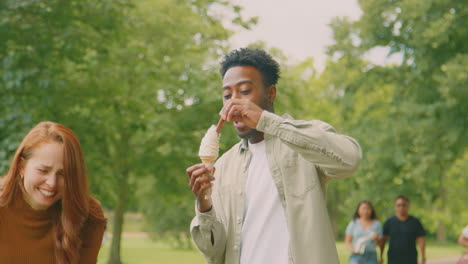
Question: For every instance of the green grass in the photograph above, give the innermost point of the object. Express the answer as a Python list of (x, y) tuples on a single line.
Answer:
[(142, 250), (136, 250), (437, 250), (133, 222)]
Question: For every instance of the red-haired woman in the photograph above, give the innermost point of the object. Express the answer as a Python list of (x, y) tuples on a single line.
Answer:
[(46, 212)]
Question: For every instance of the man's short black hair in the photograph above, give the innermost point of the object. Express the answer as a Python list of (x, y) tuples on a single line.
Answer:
[(257, 58), (403, 197)]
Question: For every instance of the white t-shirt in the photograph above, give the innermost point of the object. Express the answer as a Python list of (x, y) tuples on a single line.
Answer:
[(465, 232), (265, 236)]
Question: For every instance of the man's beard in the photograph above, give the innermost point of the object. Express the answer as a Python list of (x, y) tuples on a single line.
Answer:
[(251, 133)]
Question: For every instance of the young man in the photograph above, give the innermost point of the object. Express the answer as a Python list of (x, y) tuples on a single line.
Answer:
[(404, 230), (463, 238), (268, 200)]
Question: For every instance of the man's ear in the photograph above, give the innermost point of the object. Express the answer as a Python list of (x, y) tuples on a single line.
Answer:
[(271, 94)]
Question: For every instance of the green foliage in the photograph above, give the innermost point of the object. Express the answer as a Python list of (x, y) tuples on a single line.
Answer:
[(409, 118), (36, 39)]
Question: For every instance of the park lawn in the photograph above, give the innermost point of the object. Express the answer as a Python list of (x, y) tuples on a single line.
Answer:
[(433, 250), (142, 250), (437, 250)]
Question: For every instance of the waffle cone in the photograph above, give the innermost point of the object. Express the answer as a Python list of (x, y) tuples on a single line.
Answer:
[(207, 159)]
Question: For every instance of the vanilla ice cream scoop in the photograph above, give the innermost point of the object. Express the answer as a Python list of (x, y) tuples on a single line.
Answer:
[(209, 146)]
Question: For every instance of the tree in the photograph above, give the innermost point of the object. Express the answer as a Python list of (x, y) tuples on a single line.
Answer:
[(36, 39), (410, 118), (139, 107), (431, 37), (126, 78)]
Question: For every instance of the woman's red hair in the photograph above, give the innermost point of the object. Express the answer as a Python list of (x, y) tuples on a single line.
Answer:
[(76, 205)]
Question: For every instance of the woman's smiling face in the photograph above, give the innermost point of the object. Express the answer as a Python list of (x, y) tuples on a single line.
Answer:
[(43, 176)]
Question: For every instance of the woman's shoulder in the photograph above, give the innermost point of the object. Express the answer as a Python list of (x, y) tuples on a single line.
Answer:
[(96, 221), (96, 213), (351, 224), (376, 225), (94, 227)]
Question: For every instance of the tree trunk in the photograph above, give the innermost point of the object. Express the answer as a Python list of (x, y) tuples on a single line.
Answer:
[(114, 257), (441, 230)]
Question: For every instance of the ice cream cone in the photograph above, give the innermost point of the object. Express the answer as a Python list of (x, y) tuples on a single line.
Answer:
[(209, 150), (207, 160), (209, 146)]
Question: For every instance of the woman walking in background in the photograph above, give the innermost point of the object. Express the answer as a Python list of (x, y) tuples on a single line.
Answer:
[(46, 212), (362, 235)]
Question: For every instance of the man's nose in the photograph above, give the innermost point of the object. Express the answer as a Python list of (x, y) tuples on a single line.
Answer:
[(236, 95)]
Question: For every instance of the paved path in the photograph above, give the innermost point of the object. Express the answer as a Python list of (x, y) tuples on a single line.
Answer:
[(444, 260), (130, 234)]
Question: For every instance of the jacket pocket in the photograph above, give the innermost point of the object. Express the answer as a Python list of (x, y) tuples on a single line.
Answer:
[(300, 176)]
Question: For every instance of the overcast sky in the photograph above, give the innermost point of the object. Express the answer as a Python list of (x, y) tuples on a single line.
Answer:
[(298, 27)]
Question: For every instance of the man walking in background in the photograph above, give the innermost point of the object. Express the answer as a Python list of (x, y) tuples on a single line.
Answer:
[(463, 238), (404, 231), (268, 200)]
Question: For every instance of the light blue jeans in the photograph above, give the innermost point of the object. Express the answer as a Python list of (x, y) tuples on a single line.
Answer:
[(366, 258)]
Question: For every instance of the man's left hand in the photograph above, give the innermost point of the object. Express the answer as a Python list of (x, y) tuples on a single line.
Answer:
[(241, 110)]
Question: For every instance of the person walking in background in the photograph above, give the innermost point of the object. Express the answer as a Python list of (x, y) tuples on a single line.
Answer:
[(47, 215), (363, 234), (404, 230), (268, 200), (463, 239)]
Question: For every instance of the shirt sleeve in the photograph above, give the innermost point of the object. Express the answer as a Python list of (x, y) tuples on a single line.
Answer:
[(209, 235), (378, 228), (386, 228), (350, 228), (419, 229), (316, 141)]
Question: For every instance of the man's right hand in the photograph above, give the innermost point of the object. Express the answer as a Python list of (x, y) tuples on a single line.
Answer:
[(200, 178)]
